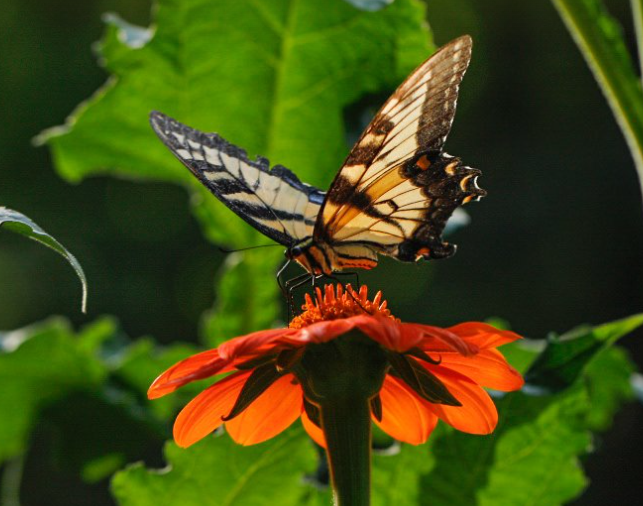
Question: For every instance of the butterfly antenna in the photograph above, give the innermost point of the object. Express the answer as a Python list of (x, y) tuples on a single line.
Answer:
[(225, 250)]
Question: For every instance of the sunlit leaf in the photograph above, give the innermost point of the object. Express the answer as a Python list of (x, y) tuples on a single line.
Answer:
[(609, 380), (565, 357), (218, 472), (272, 77), (18, 222)]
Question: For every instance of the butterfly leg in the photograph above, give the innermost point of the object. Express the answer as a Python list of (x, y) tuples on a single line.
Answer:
[(346, 290), (347, 274), (291, 285), (279, 273)]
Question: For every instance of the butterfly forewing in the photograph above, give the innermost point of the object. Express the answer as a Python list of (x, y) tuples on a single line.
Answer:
[(397, 188), (273, 201)]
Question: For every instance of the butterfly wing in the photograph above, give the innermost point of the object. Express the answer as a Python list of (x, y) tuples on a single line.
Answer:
[(273, 201), (397, 188)]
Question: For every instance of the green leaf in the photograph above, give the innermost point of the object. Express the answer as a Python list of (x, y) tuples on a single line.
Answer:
[(218, 472), (529, 459), (38, 366), (608, 381), (135, 366), (396, 476), (600, 39), (565, 357), (69, 384), (272, 77), (18, 222)]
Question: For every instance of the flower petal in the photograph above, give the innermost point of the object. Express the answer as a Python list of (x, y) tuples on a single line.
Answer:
[(197, 367), (404, 416), (203, 414), (322, 331), (315, 433), (272, 412), (483, 335), (250, 344), (436, 339), (385, 331), (477, 415), (488, 368)]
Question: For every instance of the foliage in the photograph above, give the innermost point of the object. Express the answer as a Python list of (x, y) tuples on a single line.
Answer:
[(18, 222), (271, 77), (260, 474), (531, 457), (74, 383), (275, 78), (565, 357), (600, 39)]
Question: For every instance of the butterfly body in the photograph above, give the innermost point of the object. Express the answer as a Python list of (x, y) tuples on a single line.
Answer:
[(393, 195)]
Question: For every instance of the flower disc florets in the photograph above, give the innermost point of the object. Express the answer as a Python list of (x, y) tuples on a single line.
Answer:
[(333, 305)]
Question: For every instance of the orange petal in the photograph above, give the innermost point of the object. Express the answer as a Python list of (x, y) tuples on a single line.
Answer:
[(197, 367), (250, 344), (385, 331), (484, 336), (477, 415), (272, 412), (203, 414), (315, 433), (321, 332), (436, 339), (404, 416), (488, 368)]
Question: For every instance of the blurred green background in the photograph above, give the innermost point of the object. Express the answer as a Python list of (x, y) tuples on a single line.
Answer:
[(558, 241)]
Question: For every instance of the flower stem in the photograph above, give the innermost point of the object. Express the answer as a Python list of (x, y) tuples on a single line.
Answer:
[(340, 377), (347, 427)]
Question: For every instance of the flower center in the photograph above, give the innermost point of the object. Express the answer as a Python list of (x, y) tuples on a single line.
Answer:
[(335, 303)]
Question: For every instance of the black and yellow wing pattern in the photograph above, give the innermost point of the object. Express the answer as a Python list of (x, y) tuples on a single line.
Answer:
[(273, 201), (397, 188), (393, 195)]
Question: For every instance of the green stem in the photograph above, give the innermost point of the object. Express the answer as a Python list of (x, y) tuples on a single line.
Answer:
[(600, 40), (637, 15), (347, 427)]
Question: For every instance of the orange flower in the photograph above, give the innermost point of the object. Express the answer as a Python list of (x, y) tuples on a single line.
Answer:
[(427, 373)]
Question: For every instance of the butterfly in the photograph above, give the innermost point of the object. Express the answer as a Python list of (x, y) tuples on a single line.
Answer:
[(392, 196)]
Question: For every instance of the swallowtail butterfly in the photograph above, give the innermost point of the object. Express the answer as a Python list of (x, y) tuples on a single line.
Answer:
[(393, 195)]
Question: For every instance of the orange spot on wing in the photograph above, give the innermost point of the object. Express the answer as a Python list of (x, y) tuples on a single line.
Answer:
[(424, 163), (450, 169), (422, 253), (358, 263)]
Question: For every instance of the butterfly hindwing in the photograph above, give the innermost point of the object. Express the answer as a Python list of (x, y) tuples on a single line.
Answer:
[(397, 187), (273, 201)]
